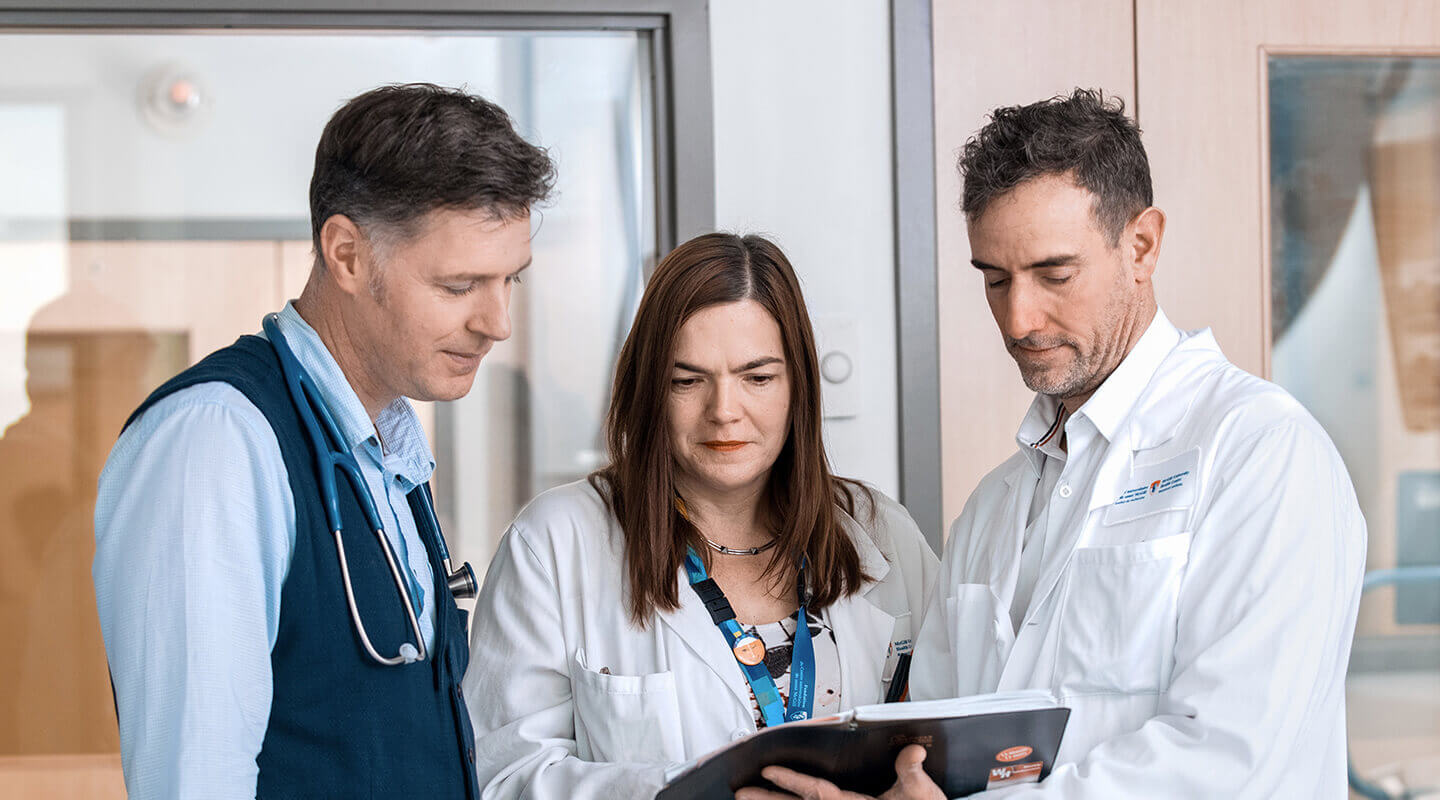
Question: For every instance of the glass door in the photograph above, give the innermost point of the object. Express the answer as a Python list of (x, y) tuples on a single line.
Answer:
[(155, 207), (1354, 174)]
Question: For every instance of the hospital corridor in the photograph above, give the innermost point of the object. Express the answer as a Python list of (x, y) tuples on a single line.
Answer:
[(890, 211)]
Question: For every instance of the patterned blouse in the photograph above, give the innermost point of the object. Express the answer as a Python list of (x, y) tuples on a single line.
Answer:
[(779, 638)]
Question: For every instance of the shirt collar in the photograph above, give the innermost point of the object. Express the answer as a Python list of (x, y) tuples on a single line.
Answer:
[(1108, 407), (1041, 428), (407, 450)]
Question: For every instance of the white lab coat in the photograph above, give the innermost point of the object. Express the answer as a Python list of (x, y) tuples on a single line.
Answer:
[(1200, 635), (570, 700)]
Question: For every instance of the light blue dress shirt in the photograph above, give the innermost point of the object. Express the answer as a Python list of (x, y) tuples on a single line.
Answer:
[(194, 533)]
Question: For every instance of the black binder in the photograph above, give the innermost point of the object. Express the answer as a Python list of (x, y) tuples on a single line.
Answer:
[(856, 751)]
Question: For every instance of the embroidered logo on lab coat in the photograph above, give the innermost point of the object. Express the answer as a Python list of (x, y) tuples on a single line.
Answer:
[(1164, 486), (1157, 486)]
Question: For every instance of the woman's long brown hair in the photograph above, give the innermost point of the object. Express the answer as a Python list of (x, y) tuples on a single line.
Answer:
[(804, 499)]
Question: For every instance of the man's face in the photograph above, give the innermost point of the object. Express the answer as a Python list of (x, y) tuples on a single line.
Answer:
[(1066, 300), (440, 299)]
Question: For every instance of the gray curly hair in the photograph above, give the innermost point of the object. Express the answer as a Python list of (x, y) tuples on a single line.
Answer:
[(1085, 136)]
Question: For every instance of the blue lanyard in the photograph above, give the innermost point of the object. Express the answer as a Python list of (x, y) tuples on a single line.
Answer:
[(750, 651)]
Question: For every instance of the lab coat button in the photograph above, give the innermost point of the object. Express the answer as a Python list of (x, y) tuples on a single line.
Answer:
[(738, 733), (1065, 490)]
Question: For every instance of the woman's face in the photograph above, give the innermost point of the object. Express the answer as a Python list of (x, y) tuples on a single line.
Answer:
[(729, 399)]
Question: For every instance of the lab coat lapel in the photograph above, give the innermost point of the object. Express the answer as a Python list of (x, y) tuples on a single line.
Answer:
[(692, 624), (997, 560), (1160, 410), (1151, 423), (994, 560), (863, 629)]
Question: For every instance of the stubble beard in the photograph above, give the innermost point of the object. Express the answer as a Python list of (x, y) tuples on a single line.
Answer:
[(1065, 380), (1088, 368)]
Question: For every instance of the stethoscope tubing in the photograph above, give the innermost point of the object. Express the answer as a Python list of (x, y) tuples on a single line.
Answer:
[(400, 583), (332, 457)]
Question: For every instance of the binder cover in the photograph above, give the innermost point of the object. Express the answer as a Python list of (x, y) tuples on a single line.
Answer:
[(967, 753)]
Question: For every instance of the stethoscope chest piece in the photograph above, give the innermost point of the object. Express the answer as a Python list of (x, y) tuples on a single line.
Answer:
[(462, 581)]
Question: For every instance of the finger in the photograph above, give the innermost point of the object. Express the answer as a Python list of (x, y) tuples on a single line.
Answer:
[(911, 781), (807, 786), (798, 783), (911, 761)]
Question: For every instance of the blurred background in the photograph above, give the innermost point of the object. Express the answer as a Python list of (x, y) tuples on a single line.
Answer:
[(154, 165)]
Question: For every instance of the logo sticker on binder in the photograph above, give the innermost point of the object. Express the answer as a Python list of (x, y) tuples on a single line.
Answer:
[(1013, 754), (1014, 774)]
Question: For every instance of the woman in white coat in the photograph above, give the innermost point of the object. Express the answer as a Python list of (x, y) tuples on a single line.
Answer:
[(596, 664)]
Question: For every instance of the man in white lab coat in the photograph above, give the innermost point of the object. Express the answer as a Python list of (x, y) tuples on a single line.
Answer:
[(1175, 549)]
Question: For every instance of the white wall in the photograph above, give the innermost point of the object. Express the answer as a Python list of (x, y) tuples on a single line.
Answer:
[(803, 140), (34, 273)]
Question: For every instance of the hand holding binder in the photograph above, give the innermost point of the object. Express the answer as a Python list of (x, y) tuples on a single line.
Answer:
[(911, 783), (965, 745)]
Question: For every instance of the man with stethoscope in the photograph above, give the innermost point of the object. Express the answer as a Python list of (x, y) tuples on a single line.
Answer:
[(1175, 550), (275, 594)]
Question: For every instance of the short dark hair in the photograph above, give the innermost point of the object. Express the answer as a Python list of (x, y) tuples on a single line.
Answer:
[(1086, 136), (394, 154)]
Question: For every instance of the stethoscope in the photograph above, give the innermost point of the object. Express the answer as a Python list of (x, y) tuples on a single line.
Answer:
[(333, 456)]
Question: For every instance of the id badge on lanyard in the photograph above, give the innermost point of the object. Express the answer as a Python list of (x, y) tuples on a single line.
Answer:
[(749, 651)]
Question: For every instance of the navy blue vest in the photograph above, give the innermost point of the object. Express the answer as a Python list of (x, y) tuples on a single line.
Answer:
[(342, 725)]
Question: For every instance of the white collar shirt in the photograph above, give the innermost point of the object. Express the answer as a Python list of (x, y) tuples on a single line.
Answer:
[(1065, 451)]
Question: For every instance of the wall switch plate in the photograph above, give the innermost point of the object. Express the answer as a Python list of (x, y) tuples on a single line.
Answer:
[(838, 344)]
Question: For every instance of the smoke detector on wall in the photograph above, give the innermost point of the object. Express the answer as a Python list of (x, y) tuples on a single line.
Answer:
[(173, 101)]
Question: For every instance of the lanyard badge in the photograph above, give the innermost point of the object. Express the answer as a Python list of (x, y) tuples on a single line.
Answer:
[(750, 651)]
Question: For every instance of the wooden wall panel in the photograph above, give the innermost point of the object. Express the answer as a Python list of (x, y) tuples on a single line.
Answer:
[(1200, 93), (988, 55), (88, 777), (1203, 106), (213, 291)]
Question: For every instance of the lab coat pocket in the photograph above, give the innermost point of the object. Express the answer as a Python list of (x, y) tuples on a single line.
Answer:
[(626, 717), (1117, 622), (976, 639)]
